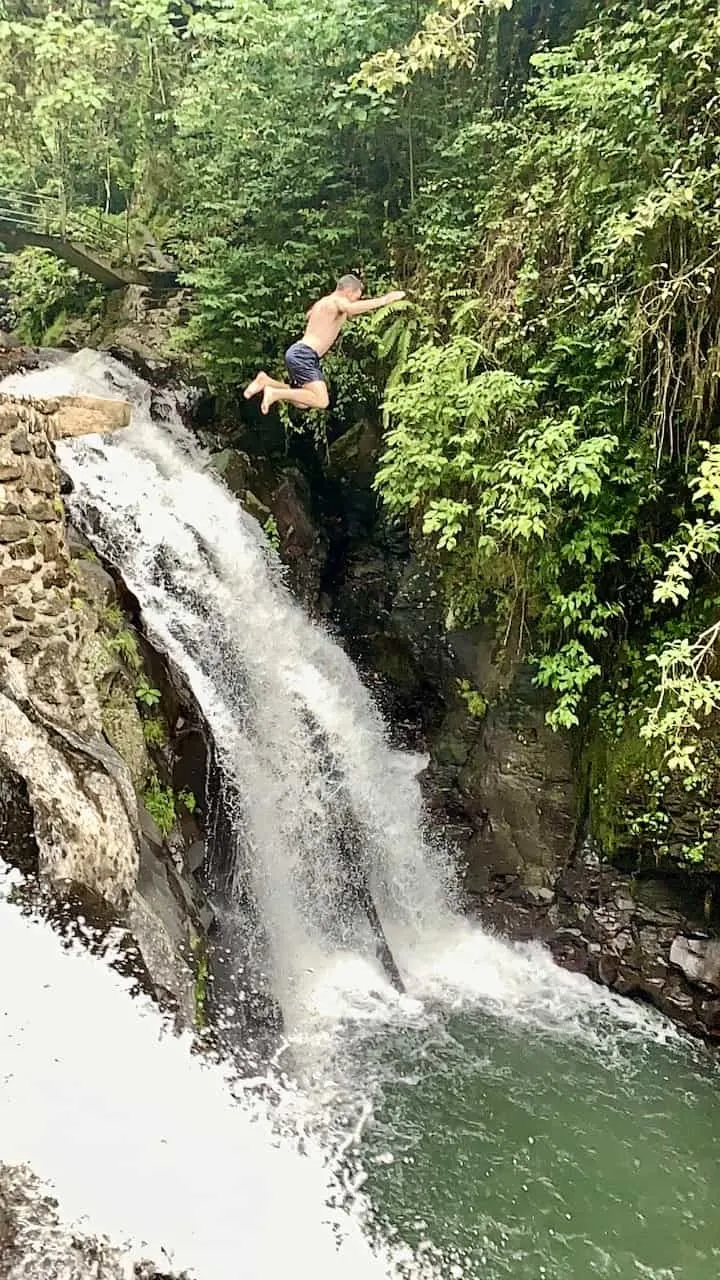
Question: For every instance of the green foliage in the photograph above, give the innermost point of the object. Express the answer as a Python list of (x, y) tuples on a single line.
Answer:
[(202, 974), (43, 293), (687, 689), (146, 694), (543, 419), (160, 804), (496, 484), (187, 800), (473, 699), (125, 644), (272, 533), (112, 617), (279, 199), (83, 93), (154, 731), (122, 641)]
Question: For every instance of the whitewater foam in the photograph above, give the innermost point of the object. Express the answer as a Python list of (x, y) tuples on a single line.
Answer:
[(140, 1138)]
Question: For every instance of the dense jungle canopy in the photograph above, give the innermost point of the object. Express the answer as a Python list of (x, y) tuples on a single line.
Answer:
[(541, 176)]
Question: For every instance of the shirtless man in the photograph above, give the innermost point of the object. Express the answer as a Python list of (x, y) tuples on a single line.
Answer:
[(308, 388)]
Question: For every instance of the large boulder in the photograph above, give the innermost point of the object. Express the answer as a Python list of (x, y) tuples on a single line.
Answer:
[(83, 819), (699, 960)]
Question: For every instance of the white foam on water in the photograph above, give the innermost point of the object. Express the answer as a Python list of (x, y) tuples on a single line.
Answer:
[(141, 1140)]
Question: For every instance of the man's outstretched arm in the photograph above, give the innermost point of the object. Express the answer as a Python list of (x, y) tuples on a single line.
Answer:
[(369, 304)]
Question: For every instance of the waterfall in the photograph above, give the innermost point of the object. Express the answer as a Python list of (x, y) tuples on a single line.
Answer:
[(308, 780)]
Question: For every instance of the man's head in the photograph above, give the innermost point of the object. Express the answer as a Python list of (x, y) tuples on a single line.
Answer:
[(350, 286)]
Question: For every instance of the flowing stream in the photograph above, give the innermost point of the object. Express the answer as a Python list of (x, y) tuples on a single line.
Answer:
[(502, 1118)]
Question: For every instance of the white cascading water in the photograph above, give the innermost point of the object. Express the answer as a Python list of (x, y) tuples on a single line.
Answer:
[(299, 743), (147, 1144), (303, 755)]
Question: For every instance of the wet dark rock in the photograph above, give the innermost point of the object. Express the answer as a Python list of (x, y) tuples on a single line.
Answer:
[(34, 1243), (195, 856), (149, 827), (639, 936), (18, 844), (302, 548), (273, 491), (77, 544), (20, 442), (14, 357), (96, 583), (699, 960)]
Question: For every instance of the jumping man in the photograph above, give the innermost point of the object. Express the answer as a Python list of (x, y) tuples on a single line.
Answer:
[(308, 388)]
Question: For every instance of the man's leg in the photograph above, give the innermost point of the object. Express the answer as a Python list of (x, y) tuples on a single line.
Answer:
[(313, 395), (259, 384)]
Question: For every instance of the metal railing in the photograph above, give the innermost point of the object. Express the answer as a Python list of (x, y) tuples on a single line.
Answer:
[(44, 214), (22, 209)]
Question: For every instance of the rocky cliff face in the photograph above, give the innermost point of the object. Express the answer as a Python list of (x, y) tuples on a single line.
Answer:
[(80, 796), (73, 749)]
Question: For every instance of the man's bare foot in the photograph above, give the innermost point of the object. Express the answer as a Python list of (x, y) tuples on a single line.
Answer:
[(256, 386), (270, 395)]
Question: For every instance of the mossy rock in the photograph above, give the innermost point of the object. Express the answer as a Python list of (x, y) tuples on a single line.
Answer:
[(121, 718), (354, 454), (618, 791), (124, 730), (235, 468), (640, 812)]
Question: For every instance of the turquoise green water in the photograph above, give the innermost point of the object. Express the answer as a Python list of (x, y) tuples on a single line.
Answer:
[(509, 1152)]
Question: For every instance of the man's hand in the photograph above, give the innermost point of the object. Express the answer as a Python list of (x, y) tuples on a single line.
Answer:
[(396, 296)]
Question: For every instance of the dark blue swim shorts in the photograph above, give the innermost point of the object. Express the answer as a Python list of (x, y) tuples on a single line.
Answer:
[(303, 365)]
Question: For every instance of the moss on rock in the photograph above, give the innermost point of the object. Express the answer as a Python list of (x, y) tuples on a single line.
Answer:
[(640, 811)]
